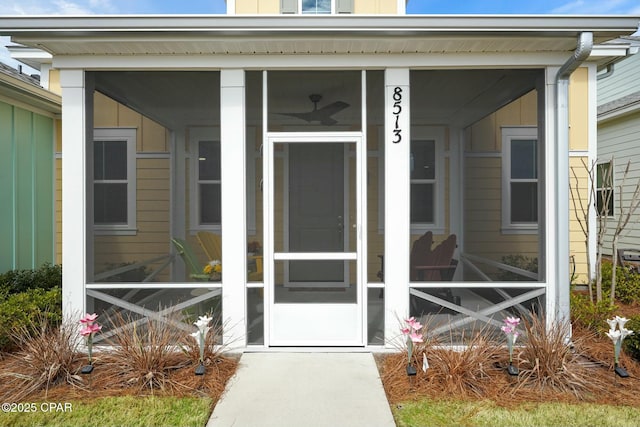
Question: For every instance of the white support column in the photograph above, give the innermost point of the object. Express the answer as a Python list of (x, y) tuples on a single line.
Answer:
[(397, 200), (547, 112), (77, 128), (234, 233)]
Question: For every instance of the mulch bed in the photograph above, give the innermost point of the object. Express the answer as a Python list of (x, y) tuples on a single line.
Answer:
[(593, 361), (106, 380)]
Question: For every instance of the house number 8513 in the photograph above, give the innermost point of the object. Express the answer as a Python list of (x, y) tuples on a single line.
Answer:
[(397, 109)]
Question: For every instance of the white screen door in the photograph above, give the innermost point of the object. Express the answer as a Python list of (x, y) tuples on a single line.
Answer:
[(313, 204)]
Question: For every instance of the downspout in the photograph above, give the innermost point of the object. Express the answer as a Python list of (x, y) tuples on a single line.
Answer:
[(582, 52)]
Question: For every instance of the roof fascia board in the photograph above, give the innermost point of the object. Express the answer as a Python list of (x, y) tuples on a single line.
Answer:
[(355, 61), (406, 24), (29, 95)]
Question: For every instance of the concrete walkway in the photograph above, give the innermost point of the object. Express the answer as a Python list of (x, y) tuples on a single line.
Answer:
[(304, 389)]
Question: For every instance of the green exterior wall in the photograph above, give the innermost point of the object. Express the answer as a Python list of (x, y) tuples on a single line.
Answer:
[(26, 188)]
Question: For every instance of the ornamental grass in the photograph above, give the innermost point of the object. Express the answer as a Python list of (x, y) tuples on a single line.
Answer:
[(47, 357), (142, 357), (551, 369)]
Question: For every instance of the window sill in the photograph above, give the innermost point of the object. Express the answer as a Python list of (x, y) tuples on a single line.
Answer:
[(115, 231), (527, 229), (423, 228)]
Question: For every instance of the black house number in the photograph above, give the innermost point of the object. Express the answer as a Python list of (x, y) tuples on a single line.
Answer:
[(397, 109)]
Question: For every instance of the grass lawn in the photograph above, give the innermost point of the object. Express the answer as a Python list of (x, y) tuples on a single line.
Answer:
[(486, 413), (130, 411)]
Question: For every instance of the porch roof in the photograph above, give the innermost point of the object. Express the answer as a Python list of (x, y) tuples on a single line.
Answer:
[(285, 34)]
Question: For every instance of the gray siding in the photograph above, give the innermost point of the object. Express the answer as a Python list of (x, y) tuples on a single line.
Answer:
[(620, 139), (624, 80)]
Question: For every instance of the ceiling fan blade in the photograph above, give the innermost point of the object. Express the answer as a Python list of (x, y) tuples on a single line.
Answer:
[(322, 115), (331, 109)]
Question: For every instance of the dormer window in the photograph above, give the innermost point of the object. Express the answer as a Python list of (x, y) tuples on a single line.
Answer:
[(316, 7)]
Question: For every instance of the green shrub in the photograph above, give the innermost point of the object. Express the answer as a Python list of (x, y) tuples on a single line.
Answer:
[(627, 283), (15, 281), (27, 308), (632, 342), (519, 261), (588, 314)]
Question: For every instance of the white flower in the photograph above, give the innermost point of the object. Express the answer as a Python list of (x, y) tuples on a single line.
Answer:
[(621, 321), (612, 323), (625, 333), (614, 335)]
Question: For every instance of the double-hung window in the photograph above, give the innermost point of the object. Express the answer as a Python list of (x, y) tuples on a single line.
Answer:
[(114, 180), (519, 179), (205, 147), (427, 183)]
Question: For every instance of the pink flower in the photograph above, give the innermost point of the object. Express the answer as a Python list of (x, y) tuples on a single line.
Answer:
[(89, 318), (512, 321), (415, 337), (507, 329), (90, 330), (405, 331)]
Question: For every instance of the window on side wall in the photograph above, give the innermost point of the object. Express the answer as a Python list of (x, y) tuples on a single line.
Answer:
[(114, 181), (206, 183), (519, 180), (427, 183), (604, 189)]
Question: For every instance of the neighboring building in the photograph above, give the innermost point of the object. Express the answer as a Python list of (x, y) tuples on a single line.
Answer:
[(332, 142), (29, 126), (619, 140)]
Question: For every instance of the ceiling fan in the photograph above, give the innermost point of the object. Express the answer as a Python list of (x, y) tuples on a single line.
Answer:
[(322, 115)]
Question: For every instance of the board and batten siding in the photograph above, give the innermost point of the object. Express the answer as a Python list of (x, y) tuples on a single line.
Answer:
[(26, 188)]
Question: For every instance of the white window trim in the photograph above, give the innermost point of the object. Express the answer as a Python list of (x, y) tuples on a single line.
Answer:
[(612, 187), (436, 134), (129, 135), (195, 136), (508, 134)]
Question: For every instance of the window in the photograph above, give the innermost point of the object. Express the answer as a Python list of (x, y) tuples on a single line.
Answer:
[(427, 198), (114, 181), (604, 189), (520, 179), (206, 178), (316, 7)]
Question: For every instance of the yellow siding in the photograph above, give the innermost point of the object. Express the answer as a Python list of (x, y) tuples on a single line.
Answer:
[(485, 135), (577, 245), (257, 7), (152, 238), (269, 7), (483, 184), (579, 110), (54, 82), (389, 7), (578, 141)]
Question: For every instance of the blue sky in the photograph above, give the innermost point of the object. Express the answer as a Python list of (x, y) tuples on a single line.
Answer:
[(15, 7), (116, 7)]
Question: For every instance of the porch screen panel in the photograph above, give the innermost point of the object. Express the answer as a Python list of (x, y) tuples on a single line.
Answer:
[(255, 228), (155, 197), (314, 101)]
